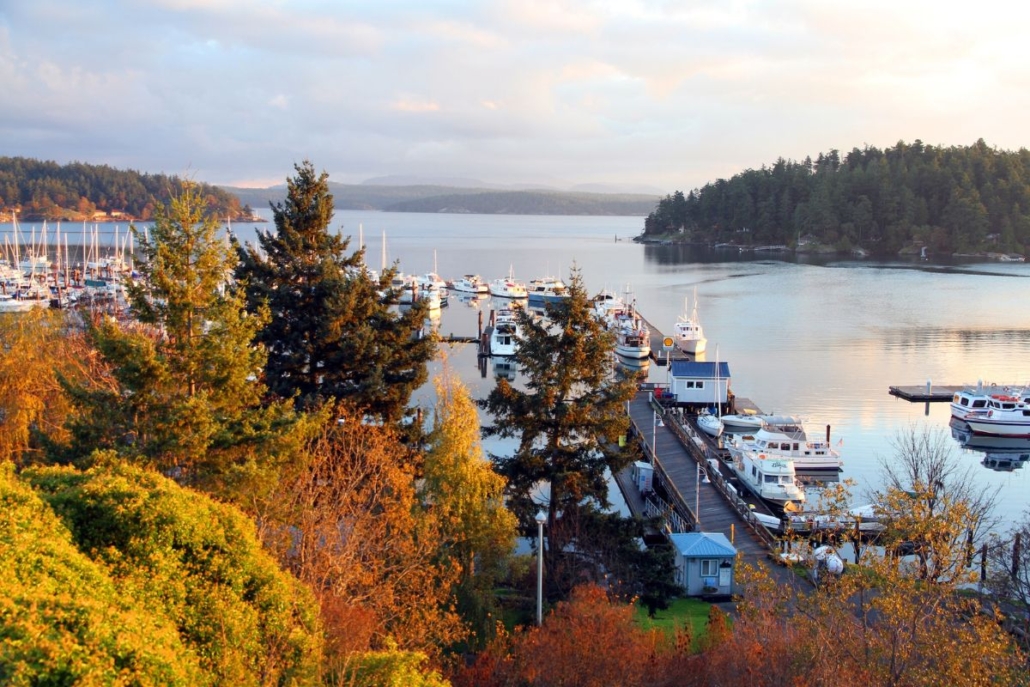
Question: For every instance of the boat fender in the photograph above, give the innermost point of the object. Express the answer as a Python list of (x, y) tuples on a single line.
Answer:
[(762, 456)]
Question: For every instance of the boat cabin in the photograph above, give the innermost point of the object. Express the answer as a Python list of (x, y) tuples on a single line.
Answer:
[(699, 384), (704, 563)]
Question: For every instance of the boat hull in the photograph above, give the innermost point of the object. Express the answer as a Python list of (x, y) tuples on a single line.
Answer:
[(999, 428)]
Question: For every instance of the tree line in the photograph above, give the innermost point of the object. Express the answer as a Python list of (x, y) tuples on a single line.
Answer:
[(45, 190), (960, 199), (233, 488)]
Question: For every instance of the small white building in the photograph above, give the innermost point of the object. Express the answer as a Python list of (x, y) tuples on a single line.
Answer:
[(643, 476), (699, 384), (704, 562)]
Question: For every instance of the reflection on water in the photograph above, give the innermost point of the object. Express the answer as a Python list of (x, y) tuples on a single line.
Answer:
[(1002, 454)]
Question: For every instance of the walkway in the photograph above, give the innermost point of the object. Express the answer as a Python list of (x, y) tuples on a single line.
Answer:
[(697, 501)]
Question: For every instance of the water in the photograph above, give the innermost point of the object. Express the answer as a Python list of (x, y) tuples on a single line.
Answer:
[(821, 338)]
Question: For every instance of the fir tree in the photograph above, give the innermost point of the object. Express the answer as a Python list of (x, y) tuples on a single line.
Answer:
[(181, 390), (568, 418), (332, 333)]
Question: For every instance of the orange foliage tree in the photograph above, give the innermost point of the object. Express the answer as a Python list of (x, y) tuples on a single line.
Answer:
[(587, 641), (347, 521)]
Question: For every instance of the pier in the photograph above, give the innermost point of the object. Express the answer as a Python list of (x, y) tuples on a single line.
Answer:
[(927, 393), (701, 498)]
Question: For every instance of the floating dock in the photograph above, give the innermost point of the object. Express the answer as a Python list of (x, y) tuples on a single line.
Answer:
[(928, 393)]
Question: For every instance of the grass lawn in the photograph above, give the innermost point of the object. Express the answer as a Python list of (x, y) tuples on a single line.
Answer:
[(680, 612)]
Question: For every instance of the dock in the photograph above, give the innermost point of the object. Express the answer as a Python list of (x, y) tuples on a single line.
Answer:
[(927, 393), (700, 497), (659, 353)]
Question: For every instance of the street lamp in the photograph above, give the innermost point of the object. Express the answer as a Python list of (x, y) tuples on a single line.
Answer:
[(541, 518)]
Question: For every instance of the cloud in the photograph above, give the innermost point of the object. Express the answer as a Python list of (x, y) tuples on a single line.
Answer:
[(672, 93)]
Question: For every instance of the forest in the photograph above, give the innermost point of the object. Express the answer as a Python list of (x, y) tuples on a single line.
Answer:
[(951, 200), (41, 190), (233, 486)]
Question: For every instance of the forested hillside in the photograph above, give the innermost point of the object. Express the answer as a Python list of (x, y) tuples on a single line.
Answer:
[(41, 190), (952, 200), (424, 198)]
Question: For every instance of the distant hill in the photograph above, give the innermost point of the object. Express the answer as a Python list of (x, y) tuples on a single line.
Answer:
[(46, 190), (446, 199)]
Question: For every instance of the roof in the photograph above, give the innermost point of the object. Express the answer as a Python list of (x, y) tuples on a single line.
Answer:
[(696, 370), (703, 544)]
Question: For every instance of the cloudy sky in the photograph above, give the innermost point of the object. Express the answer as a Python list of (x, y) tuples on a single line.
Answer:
[(669, 94)]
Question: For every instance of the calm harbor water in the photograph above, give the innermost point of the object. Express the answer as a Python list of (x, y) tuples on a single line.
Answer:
[(821, 338)]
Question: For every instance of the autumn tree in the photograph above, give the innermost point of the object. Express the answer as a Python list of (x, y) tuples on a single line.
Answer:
[(932, 507), (587, 641), (333, 331), (37, 349), (567, 419), (467, 499), (347, 520), (876, 624), (181, 392), (1009, 577)]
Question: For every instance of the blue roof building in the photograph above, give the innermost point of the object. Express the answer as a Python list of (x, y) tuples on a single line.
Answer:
[(704, 562), (699, 384)]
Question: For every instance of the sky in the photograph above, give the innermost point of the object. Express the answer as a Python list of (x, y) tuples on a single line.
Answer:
[(663, 95)]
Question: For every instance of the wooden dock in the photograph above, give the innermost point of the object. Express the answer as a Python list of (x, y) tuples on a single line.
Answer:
[(659, 353), (927, 392), (699, 502)]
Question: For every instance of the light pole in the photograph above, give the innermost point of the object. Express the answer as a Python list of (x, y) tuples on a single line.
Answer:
[(541, 518)]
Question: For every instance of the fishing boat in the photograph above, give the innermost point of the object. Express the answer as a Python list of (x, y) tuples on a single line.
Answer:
[(547, 290), (771, 478), (504, 337), (1001, 418), (508, 287), (975, 399), (470, 283), (687, 332), (784, 436)]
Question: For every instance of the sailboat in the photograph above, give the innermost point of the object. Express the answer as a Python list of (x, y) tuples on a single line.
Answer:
[(712, 424), (688, 334)]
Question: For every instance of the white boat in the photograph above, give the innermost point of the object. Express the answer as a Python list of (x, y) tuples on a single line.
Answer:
[(710, 424), (632, 338), (742, 423), (783, 436), (771, 478), (470, 283), (432, 279), (547, 290), (409, 291), (687, 332), (1001, 419), (508, 287), (606, 304), (974, 399), (504, 337)]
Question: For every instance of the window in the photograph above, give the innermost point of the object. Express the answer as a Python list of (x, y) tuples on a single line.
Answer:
[(700, 385), (690, 385), (709, 567)]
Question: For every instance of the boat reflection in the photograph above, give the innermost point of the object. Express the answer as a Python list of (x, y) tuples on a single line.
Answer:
[(632, 367), (1003, 454), (504, 368), (469, 300)]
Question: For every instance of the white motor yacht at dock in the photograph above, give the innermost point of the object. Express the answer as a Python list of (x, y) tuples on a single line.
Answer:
[(783, 436)]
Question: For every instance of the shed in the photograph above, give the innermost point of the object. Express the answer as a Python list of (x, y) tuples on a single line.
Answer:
[(643, 476), (699, 384), (704, 562)]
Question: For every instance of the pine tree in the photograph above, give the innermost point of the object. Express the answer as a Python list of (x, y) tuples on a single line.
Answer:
[(181, 391), (331, 334), (568, 418)]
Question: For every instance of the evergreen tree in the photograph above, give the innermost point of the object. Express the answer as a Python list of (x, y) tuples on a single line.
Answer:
[(332, 334), (180, 391), (568, 418)]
